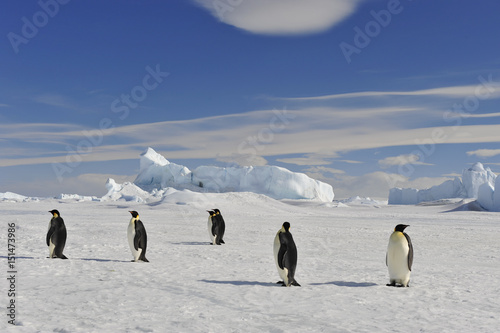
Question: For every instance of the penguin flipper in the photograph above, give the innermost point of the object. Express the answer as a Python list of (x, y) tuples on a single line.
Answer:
[(281, 256), (136, 240), (410, 251), (282, 251), (51, 231), (214, 227), (140, 238)]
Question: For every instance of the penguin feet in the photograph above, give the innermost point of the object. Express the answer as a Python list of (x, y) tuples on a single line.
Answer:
[(56, 257), (398, 285), (283, 284)]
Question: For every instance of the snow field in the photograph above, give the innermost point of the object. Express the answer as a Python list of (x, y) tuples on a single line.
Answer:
[(190, 286)]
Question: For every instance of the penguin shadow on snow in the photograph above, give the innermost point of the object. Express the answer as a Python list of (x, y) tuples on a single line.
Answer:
[(350, 284), (242, 283), (191, 243), (101, 260)]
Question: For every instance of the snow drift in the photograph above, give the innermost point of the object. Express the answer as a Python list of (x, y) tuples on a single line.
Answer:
[(157, 173), (477, 182)]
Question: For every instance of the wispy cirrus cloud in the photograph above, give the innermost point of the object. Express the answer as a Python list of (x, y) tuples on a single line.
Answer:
[(453, 92), (308, 159), (484, 152), (281, 17), (197, 139), (305, 136), (401, 160)]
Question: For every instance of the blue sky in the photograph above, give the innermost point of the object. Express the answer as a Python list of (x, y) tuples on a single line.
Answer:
[(364, 95)]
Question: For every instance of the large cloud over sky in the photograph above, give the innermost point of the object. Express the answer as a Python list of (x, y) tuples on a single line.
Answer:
[(280, 17)]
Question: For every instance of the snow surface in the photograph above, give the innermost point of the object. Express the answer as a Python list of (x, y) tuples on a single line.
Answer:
[(468, 187), (157, 173), (191, 286)]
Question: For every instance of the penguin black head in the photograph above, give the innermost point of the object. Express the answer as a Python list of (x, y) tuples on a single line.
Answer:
[(401, 227), (134, 213), (55, 212), (211, 212), (286, 226), (216, 211)]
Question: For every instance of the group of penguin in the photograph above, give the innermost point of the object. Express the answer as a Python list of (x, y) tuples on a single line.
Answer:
[(399, 256)]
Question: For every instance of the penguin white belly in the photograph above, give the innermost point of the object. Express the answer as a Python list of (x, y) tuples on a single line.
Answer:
[(131, 236), (52, 246), (276, 248), (210, 224), (397, 259)]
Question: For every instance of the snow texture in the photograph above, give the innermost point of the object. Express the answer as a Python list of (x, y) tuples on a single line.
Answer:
[(473, 179), (157, 173), (191, 286)]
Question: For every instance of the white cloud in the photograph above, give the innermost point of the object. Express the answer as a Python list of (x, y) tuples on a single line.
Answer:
[(308, 159), (401, 160), (325, 132), (351, 161), (323, 170), (453, 92), (280, 17), (484, 152), (243, 159), (375, 185)]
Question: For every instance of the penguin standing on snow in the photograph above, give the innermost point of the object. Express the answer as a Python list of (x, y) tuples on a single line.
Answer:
[(216, 227), (210, 225), (137, 237), (399, 257), (285, 256), (56, 236)]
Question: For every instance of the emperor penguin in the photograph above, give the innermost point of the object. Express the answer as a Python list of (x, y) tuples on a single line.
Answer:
[(216, 227), (137, 237), (211, 225), (285, 256), (56, 235), (399, 257)]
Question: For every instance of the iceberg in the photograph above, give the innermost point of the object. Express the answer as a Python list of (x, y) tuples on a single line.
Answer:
[(477, 182), (157, 173)]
